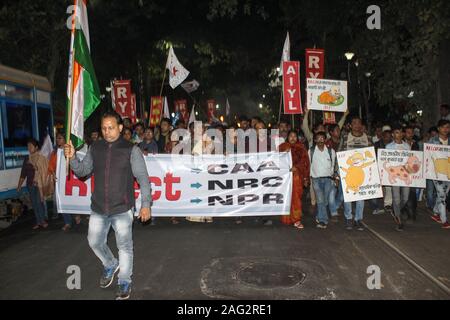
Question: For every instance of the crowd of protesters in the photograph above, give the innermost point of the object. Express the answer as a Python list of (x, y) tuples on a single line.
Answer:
[(315, 170)]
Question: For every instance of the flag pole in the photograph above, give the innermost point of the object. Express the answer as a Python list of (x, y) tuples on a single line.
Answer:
[(164, 77), (281, 105), (162, 84), (69, 116)]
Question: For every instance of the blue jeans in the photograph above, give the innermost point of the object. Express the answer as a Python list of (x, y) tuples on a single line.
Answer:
[(38, 205), (122, 223), (336, 198), (67, 218), (431, 194), (358, 211), (322, 189), (442, 188), (400, 196)]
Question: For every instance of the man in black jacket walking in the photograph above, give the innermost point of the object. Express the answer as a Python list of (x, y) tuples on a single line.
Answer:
[(113, 162)]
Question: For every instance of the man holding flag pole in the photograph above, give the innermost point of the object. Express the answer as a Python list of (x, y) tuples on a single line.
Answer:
[(112, 160)]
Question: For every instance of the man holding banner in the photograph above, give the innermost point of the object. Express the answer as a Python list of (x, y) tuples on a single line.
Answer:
[(113, 161), (355, 139), (400, 194), (442, 187)]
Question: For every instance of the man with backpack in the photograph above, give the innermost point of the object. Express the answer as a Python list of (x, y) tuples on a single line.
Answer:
[(323, 163)]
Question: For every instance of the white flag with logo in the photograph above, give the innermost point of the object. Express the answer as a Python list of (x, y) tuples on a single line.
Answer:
[(286, 55), (192, 116), (190, 86), (47, 147), (166, 113), (177, 73), (227, 108)]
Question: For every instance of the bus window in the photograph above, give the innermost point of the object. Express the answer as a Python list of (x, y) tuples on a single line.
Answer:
[(19, 125), (17, 92), (2, 165), (45, 124)]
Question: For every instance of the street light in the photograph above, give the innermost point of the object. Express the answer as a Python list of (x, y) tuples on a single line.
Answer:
[(260, 106), (368, 75), (349, 55), (217, 106)]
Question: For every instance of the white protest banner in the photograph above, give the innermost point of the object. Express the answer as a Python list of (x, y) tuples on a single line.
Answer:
[(257, 184), (437, 162), (401, 168), (326, 95), (358, 170)]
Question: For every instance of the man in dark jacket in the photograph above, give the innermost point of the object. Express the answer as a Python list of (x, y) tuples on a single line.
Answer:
[(113, 162)]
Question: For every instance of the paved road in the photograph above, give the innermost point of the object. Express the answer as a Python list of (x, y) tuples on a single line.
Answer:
[(224, 260)]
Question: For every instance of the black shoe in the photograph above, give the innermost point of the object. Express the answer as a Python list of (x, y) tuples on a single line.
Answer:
[(348, 224), (123, 291), (108, 276), (399, 227), (359, 226), (321, 225)]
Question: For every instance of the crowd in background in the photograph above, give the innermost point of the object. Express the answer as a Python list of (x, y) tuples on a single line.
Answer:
[(315, 173)]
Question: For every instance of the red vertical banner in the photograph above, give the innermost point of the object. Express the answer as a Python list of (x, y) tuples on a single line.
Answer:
[(181, 107), (291, 87), (133, 108), (315, 63), (122, 97), (211, 105), (156, 110), (315, 68), (329, 117)]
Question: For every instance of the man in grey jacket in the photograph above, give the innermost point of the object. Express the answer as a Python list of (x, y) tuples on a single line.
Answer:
[(114, 162)]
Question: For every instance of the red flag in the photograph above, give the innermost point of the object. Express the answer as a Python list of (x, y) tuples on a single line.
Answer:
[(156, 106), (181, 107), (291, 87), (122, 97)]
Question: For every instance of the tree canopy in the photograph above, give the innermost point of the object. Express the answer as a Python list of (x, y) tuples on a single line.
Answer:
[(232, 46)]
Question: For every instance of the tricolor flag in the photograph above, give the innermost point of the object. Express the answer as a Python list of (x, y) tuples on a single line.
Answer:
[(83, 92), (286, 55), (177, 73)]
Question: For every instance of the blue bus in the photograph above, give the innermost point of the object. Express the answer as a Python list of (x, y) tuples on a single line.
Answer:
[(25, 112)]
